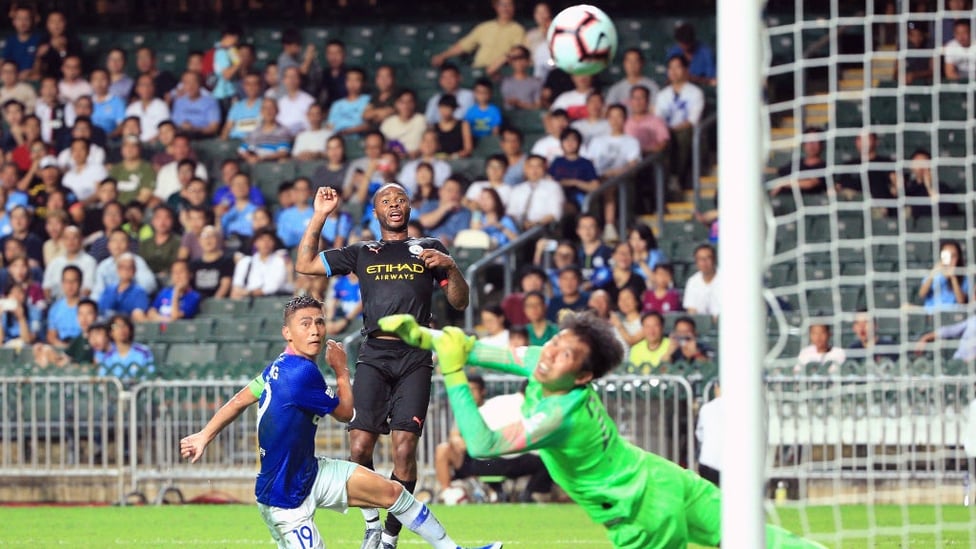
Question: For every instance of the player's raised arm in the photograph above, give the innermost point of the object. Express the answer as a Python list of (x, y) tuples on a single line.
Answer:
[(307, 260), (192, 446)]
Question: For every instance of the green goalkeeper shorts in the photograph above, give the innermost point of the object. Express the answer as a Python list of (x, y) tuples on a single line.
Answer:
[(677, 507)]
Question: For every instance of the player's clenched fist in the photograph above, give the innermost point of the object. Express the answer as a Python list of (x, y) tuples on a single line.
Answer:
[(326, 200)]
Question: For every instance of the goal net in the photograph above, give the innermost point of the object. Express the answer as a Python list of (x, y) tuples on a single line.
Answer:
[(870, 159)]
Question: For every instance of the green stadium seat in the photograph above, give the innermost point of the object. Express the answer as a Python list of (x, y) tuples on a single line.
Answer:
[(952, 143), (781, 275), (919, 252), (884, 109), (237, 328), (361, 55), (852, 298), (147, 332), (526, 120), (265, 36), (920, 224), (267, 176), (447, 32), (850, 225), (918, 108), (406, 33), (885, 227), (224, 307), (817, 270), (849, 114), (786, 237), (853, 268), (186, 354), (952, 223), (820, 302), (318, 36), (783, 204), (885, 252), (245, 353), (198, 329), (886, 296), (817, 228), (953, 176), (947, 318), (487, 146), (467, 256), (267, 307), (954, 106), (690, 231), (160, 351)]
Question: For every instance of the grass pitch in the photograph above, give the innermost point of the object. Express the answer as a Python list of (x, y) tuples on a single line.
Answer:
[(519, 526)]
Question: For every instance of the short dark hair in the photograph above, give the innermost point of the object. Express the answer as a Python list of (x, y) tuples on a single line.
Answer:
[(336, 42), (963, 22), (447, 100), (88, 303), (128, 322), (559, 112), (449, 67), (477, 380), (689, 321), (636, 51), (701, 247), (684, 33), (484, 82), (290, 36), (497, 158), (605, 351), (571, 132), (655, 314), (681, 59), (618, 106), (298, 303)]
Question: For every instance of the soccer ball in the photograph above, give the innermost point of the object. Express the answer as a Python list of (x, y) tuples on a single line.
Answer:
[(455, 494), (582, 40)]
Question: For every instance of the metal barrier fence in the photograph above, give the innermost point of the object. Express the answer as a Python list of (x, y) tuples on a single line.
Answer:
[(62, 427)]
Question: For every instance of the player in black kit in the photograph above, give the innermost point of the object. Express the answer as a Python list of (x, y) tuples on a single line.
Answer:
[(391, 388)]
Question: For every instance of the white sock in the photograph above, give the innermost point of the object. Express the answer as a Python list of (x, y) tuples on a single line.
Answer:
[(389, 538), (418, 518), (372, 517)]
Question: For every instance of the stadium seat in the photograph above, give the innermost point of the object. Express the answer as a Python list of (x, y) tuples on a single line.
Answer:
[(952, 143), (267, 307), (268, 175), (817, 228), (406, 33), (147, 332), (885, 226), (850, 225), (786, 237), (186, 354), (249, 353), (447, 32), (487, 146), (395, 53), (187, 330), (526, 120), (886, 296), (953, 106), (952, 223), (237, 328), (318, 36), (820, 302), (160, 351), (781, 275), (918, 109), (224, 307), (849, 114)]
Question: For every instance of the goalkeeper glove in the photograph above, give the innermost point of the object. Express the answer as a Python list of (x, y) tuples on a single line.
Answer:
[(452, 347), (405, 326)]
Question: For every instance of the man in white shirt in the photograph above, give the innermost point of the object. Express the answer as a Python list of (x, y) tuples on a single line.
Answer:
[(710, 432), (574, 101), (106, 273), (550, 146), (450, 82), (820, 351), (73, 255), (264, 273), (148, 108), (428, 152), (612, 155), (12, 88), (633, 76), (310, 144), (294, 103), (959, 52), (681, 104), (406, 126), (595, 123), (538, 200), (167, 180), (702, 290)]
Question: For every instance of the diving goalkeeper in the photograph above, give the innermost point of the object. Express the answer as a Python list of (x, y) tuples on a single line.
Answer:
[(644, 500)]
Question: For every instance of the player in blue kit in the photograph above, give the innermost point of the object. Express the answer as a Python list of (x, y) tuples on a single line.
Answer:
[(293, 396)]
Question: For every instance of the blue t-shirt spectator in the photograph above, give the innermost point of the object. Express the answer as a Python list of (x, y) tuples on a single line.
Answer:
[(497, 235), (941, 296), (557, 303), (243, 118), (703, 62), (965, 332), (346, 292), (22, 53), (347, 114), (200, 112), (17, 198), (223, 88), (108, 113), (450, 224), (138, 360), (292, 223), (483, 120), (238, 221), (113, 301), (336, 226), (581, 168), (63, 319), (189, 303), (224, 194)]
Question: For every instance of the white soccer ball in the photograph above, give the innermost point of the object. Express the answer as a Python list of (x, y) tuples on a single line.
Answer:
[(582, 39), (455, 494)]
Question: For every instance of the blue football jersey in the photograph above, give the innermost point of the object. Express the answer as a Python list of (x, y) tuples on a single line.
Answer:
[(294, 396)]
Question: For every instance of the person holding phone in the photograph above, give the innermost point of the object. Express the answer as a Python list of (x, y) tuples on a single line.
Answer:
[(946, 286)]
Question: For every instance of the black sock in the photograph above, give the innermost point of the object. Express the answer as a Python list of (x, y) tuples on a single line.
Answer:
[(393, 525)]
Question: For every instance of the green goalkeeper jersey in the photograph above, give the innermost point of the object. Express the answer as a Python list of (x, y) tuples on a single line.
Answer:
[(575, 437)]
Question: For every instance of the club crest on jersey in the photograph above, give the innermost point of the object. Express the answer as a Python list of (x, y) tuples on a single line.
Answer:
[(415, 250)]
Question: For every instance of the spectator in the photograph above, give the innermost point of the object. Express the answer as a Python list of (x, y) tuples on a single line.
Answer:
[(11, 87), (489, 216), (681, 104), (710, 432), (924, 194), (72, 86), (483, 117), (310, 144), (633, 65), (20, 230), (52, 112), (820, 351), (550, 146), (538, 200), (106, 273), (382, 103), (521, 90), (703, 288), (495, 167), (82, 129), (108, 110), (73, 256), (564, 255), (24, 307), (688, 348), (13, 115), (126, 359), (294, 102), (223, 195), (177, 301), (166, 138), (167, 179), (699, 57), (161, 249), (22, 46), (539, 327), (535, 37), (574, 101), (570, 296), (62, 317), (8, 184), (214, 270), (111, 219), (443, 218), (453, 135), (406, 126), (959, 53), (54, 225), (613, 155), (531, 279), (575, 174), (270, 141), (264, 273), (135, 225), (120, 83), (78, 350), (40, 193), (149, 109), (867, 342), (337, 229), (511, 142), (193, 219), (964, 331), (373, 146), (646, 251), (918, 63), (494, 326), (627, 319), (947, 285), (593, 254), (163, 81), (450, 84), (54, 48), (650, 130), (135, 177), (542, 65), (124, 297), (235, 219), (292, 55), (809, 177), (292, 221), (195, 114), (648, 354), (492, 39), (879, 182), (271, 82), (27, 156), (346, 114), (333, 172), (244, 115), (428, 153), (345, 305), (226, 66), (620, 274)]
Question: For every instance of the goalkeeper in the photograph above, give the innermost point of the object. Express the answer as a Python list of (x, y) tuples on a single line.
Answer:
[(644, 500)]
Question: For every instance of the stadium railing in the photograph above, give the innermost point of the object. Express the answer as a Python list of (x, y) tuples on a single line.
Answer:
[(696, 155), (624, 211)]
